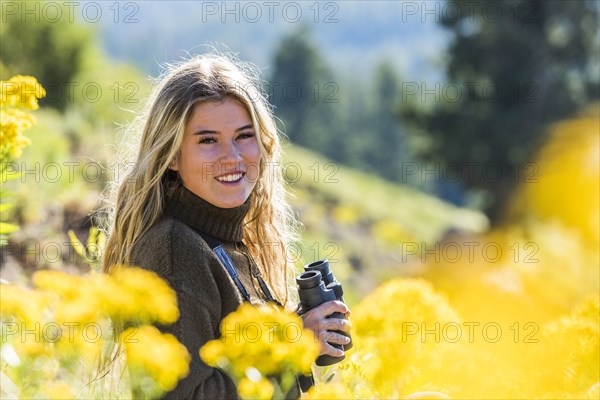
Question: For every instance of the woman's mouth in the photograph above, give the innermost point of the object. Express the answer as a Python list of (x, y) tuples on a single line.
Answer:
[(234, 177)]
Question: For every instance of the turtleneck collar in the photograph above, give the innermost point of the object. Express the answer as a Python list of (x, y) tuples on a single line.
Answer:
[(222, 223)]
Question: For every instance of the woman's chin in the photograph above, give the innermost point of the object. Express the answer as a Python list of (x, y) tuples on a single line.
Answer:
[(232, 202)]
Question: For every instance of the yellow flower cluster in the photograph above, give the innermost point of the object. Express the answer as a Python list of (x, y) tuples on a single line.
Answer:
[(261, 388), (12, 123), (19, 92), (65, 323), (540, 264), (430, 361), (387, 332), (258, 343), (566, 360), (127, 294), (26, 304), (332, 391), (151, 353), (519, 280), (562, 183), (151, 299)]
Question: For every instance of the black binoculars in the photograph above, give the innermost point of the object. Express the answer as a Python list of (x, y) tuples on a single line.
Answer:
[(317, 285)]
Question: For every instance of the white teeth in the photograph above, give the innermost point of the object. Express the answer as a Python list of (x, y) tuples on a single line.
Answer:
[(230, 178)]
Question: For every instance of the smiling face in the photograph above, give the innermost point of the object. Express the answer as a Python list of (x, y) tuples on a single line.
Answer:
[(219, 157)]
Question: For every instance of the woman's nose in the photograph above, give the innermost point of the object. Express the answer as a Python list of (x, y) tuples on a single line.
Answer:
[(230, 152)]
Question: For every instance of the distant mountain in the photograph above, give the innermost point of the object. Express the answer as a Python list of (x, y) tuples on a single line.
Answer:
[(352, 35)]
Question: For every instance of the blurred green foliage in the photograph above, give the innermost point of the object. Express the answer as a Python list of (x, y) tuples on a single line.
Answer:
[(303, 91), (351, 121), (526, 65), (50, 50)]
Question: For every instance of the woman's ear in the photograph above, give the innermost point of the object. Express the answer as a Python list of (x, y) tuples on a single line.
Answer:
[(174, 166)]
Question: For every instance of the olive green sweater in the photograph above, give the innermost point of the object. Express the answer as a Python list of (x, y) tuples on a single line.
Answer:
[(174, 250)]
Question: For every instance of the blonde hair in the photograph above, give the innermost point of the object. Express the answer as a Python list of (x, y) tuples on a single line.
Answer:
[(137, 201)]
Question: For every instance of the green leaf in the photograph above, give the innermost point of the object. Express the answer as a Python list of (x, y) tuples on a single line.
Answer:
[(329, 378)]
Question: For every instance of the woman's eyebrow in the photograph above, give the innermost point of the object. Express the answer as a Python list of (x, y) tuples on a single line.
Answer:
[(249, 126), (213, 132), (205, 132)]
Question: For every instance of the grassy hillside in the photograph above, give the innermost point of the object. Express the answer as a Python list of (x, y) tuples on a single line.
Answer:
[(361, 222)]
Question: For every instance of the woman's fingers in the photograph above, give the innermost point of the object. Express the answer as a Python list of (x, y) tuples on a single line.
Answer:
[(331, 307), (330, 350), (327, 340), (323, 327), (336, 324), (318, 315), (335, 338)]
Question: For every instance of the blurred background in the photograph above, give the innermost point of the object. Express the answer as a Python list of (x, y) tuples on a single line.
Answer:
[(454, 141)]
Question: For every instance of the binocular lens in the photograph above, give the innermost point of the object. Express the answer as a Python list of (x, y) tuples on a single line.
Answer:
[(315, 264), (309, 279), (323, 267)]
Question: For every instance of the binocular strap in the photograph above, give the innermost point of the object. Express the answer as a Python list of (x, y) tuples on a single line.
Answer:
[(222, 255)]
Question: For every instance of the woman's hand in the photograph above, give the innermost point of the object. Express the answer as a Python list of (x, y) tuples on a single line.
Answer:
[(316, 321)]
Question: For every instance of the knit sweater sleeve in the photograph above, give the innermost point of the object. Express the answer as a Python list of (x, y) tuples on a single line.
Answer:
[(205, 295)]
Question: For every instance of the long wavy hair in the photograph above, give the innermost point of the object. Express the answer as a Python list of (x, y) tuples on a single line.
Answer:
[(137, 200)]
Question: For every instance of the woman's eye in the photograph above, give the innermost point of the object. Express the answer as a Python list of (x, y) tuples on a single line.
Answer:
[(246, 135), (207, 140)]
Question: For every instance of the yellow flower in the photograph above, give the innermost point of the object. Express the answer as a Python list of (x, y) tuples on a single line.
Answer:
[(127, 294), (153, 298), (12, 124), (58, 282), (566, 357), (24, 304), (21, 91), (248, 389), (154, 354), (18, 92), (388, 328), (114, 299), (332, 391), (75, 301), (272, 341), (213, 354)]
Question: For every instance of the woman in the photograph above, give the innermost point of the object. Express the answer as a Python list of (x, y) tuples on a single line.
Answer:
[(206, 174)]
